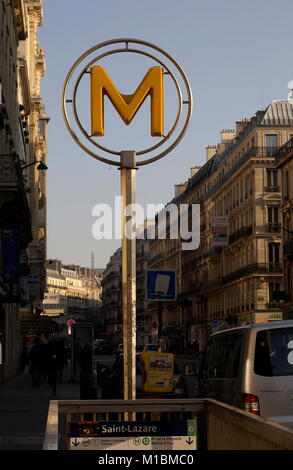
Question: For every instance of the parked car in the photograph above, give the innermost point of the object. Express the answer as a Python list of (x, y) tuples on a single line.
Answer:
[(112, 381), (102, 346), (251, 367)]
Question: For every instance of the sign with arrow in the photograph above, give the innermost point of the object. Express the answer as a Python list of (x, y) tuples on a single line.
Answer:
[(75, 442), (134, 435)]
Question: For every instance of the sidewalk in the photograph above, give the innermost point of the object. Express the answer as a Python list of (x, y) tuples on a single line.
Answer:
[(23, 411)]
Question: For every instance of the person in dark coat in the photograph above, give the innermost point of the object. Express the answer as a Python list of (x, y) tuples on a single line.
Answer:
[(61, 358), (52, 365), (35, 362)]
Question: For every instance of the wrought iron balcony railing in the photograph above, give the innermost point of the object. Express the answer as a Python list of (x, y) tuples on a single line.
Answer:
[(255, 268), (273, 227), (272, 189), (241, 233), (253, 152)]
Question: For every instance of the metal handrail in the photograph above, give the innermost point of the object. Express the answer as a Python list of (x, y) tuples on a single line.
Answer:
[(221, 426)]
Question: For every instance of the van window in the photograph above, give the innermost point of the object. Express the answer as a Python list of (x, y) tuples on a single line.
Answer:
[(223, 356), (272, 352)]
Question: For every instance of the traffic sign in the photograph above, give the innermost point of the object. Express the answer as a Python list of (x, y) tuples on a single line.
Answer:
[(134, 435), (161, 285)]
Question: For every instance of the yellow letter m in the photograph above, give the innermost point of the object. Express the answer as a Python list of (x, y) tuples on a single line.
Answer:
[(127, 105)]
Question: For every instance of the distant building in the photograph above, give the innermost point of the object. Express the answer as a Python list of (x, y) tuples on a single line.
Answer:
[(72, 293), (112, 297)]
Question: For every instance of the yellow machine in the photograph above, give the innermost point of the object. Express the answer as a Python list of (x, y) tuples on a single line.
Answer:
[(158, 371)]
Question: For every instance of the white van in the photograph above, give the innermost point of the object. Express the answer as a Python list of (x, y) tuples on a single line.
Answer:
[(251, 367)]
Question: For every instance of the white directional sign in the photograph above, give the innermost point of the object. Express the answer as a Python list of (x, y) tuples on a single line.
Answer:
[(134, 435)]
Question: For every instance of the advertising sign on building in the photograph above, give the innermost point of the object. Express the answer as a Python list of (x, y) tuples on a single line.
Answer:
[(220, 231)]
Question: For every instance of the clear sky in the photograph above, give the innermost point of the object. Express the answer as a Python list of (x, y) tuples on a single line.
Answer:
[(237, 56)]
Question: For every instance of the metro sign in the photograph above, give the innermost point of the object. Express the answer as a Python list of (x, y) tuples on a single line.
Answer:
[(127, 105), (87, 133)]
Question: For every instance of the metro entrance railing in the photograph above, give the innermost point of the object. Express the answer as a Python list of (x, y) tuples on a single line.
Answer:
[(219, 426)]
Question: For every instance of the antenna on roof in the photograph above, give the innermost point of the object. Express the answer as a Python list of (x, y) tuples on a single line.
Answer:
[(92, 260), (290, 95)]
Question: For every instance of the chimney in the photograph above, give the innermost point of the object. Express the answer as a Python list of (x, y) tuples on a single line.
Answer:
[(227, 136), (179, 188), (194, 170), (211, 150)]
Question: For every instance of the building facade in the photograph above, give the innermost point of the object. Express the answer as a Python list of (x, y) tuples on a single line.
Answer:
[(284, 162), (23, 123), (72, 293), (112, 297)]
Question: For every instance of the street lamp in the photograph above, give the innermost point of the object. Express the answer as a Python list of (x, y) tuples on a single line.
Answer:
[(40, 167)]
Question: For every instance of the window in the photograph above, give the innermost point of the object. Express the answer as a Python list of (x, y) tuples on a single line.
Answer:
[(272, 179), (274, 253), (223, 356), (271, 143), (272, 352), (273, 219), (273, 287)]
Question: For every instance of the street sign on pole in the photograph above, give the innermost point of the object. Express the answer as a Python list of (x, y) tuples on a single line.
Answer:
[(161, 285)]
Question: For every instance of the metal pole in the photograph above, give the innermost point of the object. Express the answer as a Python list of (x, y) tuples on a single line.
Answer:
[(128, 192)]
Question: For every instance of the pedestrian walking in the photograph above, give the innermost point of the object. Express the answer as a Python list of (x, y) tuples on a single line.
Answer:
[(52, 365), (61, 358), (35, 362)]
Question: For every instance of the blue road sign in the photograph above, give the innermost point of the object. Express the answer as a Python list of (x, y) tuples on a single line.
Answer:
[(161, 285)]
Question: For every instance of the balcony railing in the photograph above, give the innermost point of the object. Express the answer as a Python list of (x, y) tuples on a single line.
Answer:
[(156, 258), (241, 233), (284, 150), (253, 152), (256, 268), (272, 189), (213, 251), (273, 227)]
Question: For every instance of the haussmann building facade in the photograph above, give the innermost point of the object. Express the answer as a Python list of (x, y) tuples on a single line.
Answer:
[(236, 279)]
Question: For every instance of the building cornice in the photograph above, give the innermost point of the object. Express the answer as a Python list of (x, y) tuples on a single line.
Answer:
[(36, 6), (25, 86), (20, 19)]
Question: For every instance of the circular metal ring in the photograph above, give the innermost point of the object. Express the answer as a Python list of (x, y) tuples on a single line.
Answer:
[(78, 122), (189, 101)]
